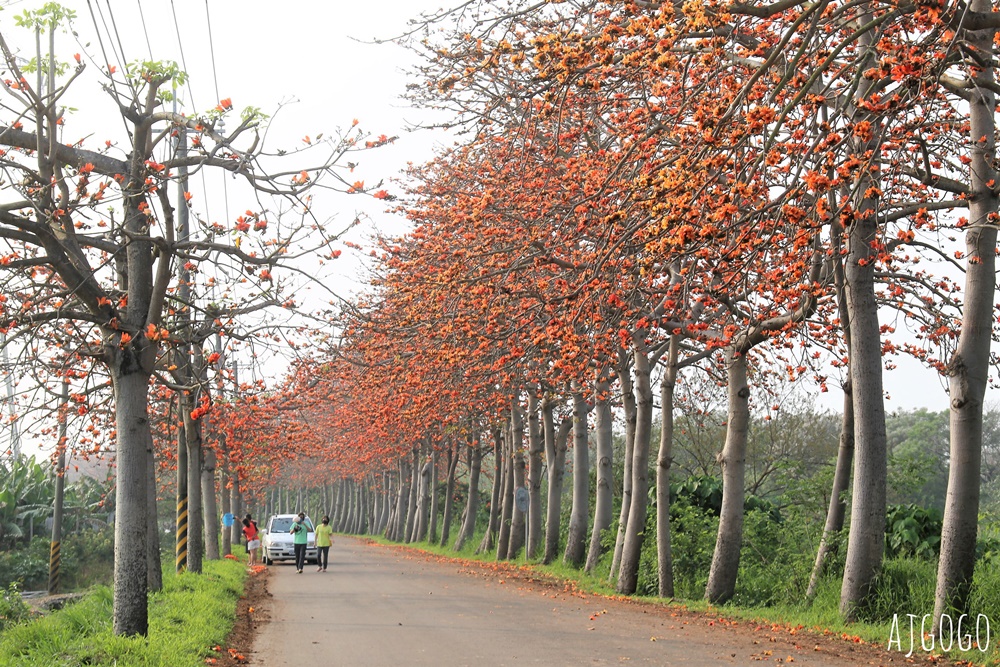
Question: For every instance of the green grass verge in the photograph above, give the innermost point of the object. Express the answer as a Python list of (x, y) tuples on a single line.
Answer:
[(187, 618)]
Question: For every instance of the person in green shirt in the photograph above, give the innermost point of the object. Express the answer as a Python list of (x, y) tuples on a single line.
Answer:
[(300, 539), (324, 539)]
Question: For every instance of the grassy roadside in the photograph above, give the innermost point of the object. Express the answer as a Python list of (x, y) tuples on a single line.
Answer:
[(192, 614), (822, 617)]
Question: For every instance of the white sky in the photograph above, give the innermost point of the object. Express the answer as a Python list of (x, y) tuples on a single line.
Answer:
[(266, 53)]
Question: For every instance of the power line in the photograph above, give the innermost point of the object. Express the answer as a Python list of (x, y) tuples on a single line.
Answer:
[(215, 77), (144, 30)]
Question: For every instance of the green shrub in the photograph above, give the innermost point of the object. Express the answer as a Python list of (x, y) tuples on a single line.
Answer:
[(911, 530), (13, 608), (775, 561)]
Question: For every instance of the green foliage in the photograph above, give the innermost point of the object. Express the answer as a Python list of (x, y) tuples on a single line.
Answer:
[(157, 72), (692, 541), (912, 531), (775, 561), (703, 491), (13, 608), (87, 559), (190, 615), (50, 16)]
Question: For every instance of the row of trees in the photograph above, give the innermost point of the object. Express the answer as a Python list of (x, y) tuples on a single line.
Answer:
[(706, 193), (121, 301)]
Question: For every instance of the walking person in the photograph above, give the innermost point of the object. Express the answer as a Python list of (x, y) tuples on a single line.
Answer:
[(324, 540), (300, 538), (253, 540)]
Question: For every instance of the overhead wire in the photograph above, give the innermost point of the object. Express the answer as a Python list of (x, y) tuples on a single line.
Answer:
[(218, 96), (144, 30)]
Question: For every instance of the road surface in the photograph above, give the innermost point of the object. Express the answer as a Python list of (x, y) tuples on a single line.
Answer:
[(385, 606)]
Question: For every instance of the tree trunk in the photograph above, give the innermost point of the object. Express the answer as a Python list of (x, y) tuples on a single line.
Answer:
[(507, 497), (635, 530), (726, 557), (866, 541), (154, 570), (196, 521), (423, 504), (968, 370), (604, 438), (492, 524), (236, 507), (628, 406), (536, 449), (211, 509), (402, 499), (131, 506), (519, 523), (555, 454), (838, 494), (55, 546), (225, 501), (435, 496), (664, 460), (468, 528), (449, 494), (411, 506), (576, 540)]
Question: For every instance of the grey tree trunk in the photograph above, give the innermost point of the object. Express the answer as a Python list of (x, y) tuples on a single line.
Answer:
[(449, 494), (838, 494), (494, 516), (340, 518), (154, 570), (55, 546), (507, 497), (628, 573), (664, 460), (628, 406), (726, 557), (131, 502), (402, 500), (968, 369), (211, 508), (518, 477), (226, 507), (236, 507), (604, 454), (866, 540), (519, 523), (423, 504), (435, 495), (536, 450), (555, 454), (468, 528), (576, 540), (411, 506)]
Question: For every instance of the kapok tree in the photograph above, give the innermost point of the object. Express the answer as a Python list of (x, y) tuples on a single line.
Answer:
[(110, 274)]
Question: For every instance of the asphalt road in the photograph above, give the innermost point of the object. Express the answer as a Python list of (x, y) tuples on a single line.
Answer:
[(387, 607)]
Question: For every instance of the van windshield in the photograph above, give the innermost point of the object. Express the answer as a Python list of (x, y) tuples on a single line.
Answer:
[(284, 524)]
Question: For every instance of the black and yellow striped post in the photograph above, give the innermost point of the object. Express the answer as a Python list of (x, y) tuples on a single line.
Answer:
[(181, 554), (55, 561)]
